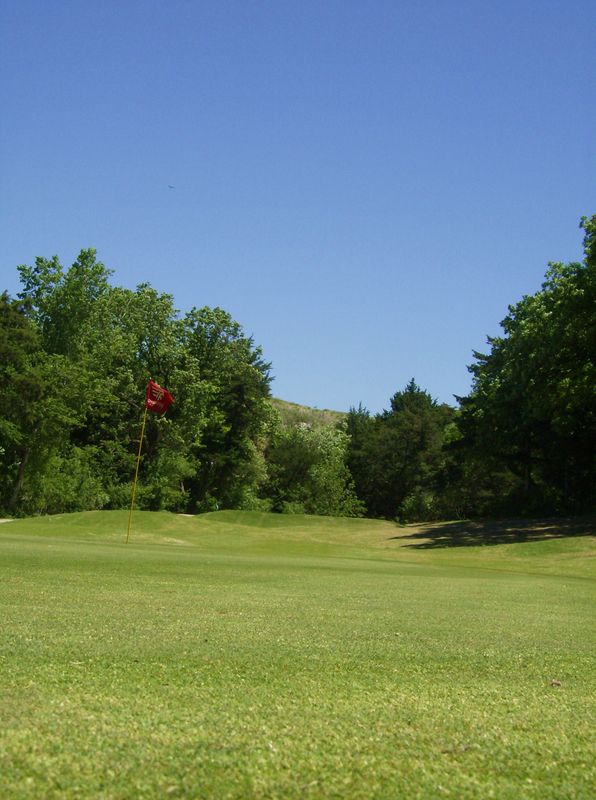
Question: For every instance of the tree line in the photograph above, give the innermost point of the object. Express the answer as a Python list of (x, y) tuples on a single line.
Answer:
[(76, 353)]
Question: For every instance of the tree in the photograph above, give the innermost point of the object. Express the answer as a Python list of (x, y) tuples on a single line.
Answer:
[(232, 382), (101, 344), (41, 405), (308, 472), (61, 302), (397, 456), (532, 399)]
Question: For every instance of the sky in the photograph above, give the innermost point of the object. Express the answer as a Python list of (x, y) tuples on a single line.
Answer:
[(364, 186)]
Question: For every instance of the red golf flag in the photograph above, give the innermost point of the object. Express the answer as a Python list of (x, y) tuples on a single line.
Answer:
[(158, 399)]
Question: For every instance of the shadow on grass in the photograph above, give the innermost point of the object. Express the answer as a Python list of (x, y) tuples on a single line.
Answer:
[(489, 532)]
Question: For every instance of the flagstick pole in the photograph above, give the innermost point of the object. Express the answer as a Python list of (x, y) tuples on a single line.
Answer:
[(134, 485)]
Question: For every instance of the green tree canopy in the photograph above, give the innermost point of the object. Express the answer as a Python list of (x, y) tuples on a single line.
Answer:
[(396, 457), (308, 472), (86, 349), (532, 400)]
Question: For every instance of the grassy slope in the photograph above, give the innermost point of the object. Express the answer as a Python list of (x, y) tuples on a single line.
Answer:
[(293, 413), (252, 655)]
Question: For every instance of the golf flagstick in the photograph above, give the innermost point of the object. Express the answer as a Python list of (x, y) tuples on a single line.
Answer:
[(134, 484)]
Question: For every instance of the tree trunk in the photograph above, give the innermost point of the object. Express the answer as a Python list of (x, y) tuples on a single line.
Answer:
[(20, 478)]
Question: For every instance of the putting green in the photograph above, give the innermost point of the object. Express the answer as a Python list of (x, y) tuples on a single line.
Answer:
[(245, 655)]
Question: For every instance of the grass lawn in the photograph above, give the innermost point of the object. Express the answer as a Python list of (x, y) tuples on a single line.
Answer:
[(246, 655)]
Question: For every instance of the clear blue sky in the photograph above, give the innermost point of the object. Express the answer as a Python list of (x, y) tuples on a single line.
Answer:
[(364, 186)]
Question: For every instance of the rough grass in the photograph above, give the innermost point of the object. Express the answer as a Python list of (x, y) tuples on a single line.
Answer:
[(244, 655), (294, 414)]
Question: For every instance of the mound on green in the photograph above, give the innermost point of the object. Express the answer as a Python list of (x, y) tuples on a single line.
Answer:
[(246, 655)]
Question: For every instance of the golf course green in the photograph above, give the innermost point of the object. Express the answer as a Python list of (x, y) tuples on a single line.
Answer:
[(249, 655)]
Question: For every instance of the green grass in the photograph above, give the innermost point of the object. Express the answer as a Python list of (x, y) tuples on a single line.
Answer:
[(293, 414), (245, 655)]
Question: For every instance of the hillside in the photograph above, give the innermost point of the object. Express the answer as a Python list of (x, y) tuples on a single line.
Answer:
[(293, 414)]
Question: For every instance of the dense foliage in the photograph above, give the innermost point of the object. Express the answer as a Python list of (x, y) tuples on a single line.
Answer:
[(76, 353), (398, 457), (522, 442), (532, 406), (308, 472)]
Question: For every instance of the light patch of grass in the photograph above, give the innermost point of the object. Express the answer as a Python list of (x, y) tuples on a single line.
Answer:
[(245, 655), (294, 414)]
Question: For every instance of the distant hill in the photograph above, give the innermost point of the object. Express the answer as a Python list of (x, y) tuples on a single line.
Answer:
[(293, 414)]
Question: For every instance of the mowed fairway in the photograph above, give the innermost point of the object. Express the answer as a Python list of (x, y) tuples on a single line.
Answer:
[(246, 655)]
